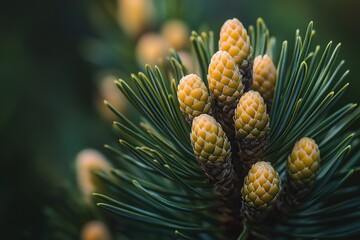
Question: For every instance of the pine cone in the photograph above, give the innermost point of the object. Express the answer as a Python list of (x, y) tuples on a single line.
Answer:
[(302, 166), (303, 163), (264, 77), (194, 98), (235, 40), (224, 79), (208, 139), (226, 87), (260, 191), (252, 127), (212, 150), (251, 119)]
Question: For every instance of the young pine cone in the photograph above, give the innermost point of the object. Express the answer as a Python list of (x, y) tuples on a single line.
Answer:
[(252, 127), (224, 79), (235, 40), (194, 98), (212, 149), (303, 163), (225, 85), (302, 166), (260, 191), (264, 77)]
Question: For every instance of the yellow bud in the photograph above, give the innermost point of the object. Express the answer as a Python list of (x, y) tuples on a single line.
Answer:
[(88, 162), (251, 119), (151, 49), (95, 230), (208, 139), (194, 98), (235, 40), (303, 163), (176, 33), (261, 186), (225, 81), (135, 15)]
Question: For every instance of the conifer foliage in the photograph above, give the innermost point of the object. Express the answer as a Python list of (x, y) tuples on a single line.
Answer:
[(211, 159)]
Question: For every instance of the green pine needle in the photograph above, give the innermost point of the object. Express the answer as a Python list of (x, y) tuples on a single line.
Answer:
[(159, 188)]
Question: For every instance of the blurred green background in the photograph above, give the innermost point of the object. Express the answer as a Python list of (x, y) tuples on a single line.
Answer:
[(52, 54)]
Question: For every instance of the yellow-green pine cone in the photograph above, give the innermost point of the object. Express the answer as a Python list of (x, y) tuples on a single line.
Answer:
[(261, 186), (264, 77), (194, 98), (251, 119), (208, 140), (235, 40), (303, 163), (225, 80), (213, 151)]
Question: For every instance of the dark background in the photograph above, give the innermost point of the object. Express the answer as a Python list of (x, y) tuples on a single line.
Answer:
[(47, 111)]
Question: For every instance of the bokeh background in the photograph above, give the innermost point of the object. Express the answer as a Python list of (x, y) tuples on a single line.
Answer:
[(55, 55)]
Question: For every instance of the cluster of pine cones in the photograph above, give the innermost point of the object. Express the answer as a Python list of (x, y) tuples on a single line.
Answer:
[(230, 130)]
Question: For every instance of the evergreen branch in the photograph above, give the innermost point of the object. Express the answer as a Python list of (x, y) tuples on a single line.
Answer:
[(160, 183)]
